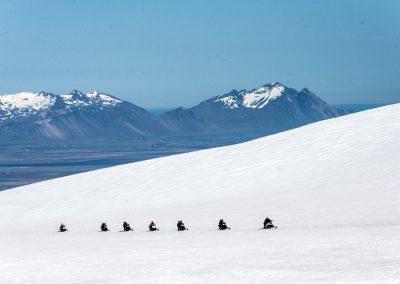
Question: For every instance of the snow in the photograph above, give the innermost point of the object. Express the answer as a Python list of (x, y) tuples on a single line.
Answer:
[(26, 100), (261, 97), (92, 94), (255, 99), (105, 99), (26, 103), (229, 101), (88, 99), (331, 187)]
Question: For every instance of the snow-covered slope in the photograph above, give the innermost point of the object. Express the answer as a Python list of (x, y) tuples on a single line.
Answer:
[(332, 188), (25, 104), (26, 100)]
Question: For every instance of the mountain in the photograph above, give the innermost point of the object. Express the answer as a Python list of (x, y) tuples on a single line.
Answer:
[(331, 187), (45, 116), (38, 116), (270, 109)]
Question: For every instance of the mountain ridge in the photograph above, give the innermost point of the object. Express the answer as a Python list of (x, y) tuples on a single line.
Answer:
[(28, 103), (268, 109), (95, 115)]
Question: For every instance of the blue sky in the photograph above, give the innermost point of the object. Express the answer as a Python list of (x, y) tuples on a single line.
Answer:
[(177, 53)]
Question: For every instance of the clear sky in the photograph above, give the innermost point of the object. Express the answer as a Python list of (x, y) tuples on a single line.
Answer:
[(177, 53)]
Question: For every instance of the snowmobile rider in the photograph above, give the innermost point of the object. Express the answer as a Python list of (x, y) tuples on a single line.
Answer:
[(152, 227), (181, 226), (103, 227), (268, 223), (127, 227), (222, 225), (63, 228)]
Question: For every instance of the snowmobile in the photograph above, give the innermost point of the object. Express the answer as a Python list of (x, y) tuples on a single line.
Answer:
[(222, 225), (181, 226), (152, 227), (268, 224), (126, 227), (103, 227), (63, 228)]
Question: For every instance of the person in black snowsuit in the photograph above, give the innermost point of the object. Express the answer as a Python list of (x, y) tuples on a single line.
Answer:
[(103, 227), (63, 228), (126, 226), (222, 225), (152, 227), (181, 226), (268, 223)]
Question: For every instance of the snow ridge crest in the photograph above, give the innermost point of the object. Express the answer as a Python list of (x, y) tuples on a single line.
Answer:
[(28, 103), (256, 98)]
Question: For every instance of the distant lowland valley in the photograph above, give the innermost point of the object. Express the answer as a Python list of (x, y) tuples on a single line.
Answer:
[(44, 135)]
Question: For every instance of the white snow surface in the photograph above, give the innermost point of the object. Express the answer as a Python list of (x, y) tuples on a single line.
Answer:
[(26, 102), (229, 101), (257, 98), (93, 98), (104, 98), (331, 187)]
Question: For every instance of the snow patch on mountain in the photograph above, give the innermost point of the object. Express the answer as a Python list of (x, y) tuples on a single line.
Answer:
[(260, 97), (26, 100), (24, 104), (229, 101), (256, 99), (103, 98), (77, 99)]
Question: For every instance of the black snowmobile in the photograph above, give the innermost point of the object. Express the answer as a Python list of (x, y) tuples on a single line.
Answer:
[(103, 227), (181, 226), (268, 224), (126, 227), (63, 228), (152, 227), (222, 225)]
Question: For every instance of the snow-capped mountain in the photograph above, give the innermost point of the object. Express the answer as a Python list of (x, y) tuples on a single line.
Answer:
[(266, 110), (269, 109), (331, 187), (36, 116), (27, 104), (257, 98)]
